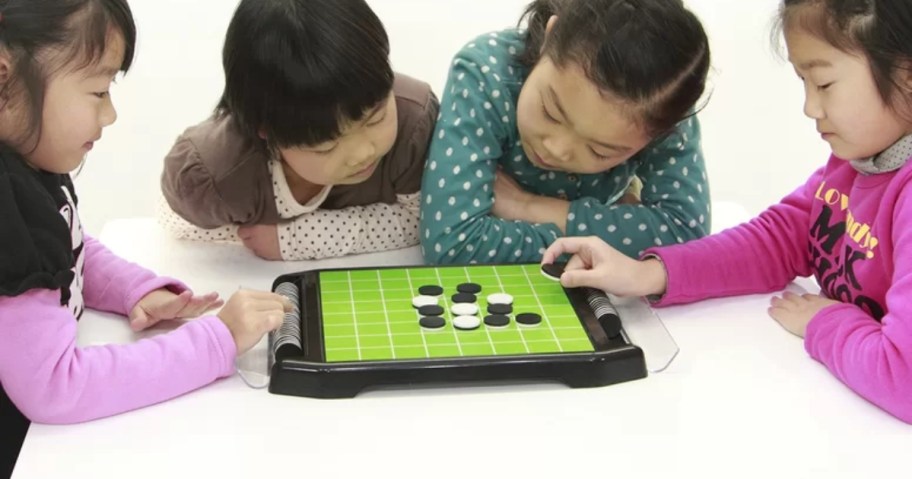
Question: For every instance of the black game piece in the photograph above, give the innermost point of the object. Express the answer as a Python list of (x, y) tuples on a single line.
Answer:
[(553, 271), (464, 298), (497, 320), (431, 310), (430, 290), (500, 309), (528, 319), (432, 322), (470, 288)]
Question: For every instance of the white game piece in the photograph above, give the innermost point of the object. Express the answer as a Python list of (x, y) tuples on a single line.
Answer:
[(466, 322), (465, 309), (419, 301), (500, 298)]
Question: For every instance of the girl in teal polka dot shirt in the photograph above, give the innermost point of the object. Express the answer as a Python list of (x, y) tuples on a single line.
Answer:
[(580, 125)]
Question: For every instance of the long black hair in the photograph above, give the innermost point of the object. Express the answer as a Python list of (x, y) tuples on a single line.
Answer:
[(652, 54), (297, 71)]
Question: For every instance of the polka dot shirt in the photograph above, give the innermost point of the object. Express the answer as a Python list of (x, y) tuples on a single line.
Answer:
[(312, 233), (476, 135)]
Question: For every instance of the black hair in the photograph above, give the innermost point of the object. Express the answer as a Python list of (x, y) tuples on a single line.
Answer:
[(298, 70), (652, 54), (77, 29), (880, 30)]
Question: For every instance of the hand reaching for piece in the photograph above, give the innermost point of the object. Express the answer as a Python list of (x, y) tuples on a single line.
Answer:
[(597, 265), (249, 315)]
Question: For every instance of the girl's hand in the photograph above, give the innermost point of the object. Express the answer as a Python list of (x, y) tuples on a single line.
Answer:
[(511, 202), (162, 305), (263, 240), (249, 315), (595, 264), (794, 312), (633, 195)]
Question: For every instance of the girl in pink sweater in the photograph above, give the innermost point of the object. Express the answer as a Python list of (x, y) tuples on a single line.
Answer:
[(850, 225), (57, 61)]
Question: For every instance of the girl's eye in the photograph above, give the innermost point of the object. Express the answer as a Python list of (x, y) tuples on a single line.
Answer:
[(548, 115), (327, 151), (599, 156), (378, 120), (101, 94), (824, 87)]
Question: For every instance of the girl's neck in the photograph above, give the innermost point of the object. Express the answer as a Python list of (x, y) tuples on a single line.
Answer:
[(891, 159), (302, 190)]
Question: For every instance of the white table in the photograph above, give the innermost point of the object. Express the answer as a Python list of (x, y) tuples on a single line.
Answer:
[(742, 399)]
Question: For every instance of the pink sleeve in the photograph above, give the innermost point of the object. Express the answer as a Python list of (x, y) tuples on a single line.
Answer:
[(51, 380), (114, 284), (874, 358), (760, 256)]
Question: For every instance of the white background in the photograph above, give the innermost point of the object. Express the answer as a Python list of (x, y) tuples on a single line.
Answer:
[(758, 144)]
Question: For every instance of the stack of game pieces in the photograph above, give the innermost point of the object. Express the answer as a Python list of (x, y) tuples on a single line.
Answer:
[(500, 307), (287, 340), (428, 305), (465, 307)]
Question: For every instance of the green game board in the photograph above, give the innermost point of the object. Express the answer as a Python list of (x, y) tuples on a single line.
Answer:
[(367, 315), (357, 329)]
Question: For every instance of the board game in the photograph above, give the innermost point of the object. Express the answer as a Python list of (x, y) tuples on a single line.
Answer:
[(358, 328)]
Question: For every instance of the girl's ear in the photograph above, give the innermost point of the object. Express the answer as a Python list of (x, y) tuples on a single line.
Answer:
[(6, 67), (905, 75), (6, 77), (548, 26)]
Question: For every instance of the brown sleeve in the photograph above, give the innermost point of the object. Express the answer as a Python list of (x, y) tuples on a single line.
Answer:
[(420, 111), (192, 191)]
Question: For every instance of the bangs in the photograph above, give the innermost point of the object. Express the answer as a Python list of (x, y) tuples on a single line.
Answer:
[(300, 74), (310, 99)]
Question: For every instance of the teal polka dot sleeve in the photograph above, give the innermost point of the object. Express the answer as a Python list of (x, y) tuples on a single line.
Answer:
[(476, 135), (674, 202)]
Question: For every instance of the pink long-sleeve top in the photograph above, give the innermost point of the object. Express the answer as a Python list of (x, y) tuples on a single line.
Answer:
[(52, 380), (853, 232)]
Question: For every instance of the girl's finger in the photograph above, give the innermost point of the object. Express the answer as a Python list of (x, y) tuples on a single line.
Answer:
[(199, 305), (172, 308), (575, 263), (563, 246)]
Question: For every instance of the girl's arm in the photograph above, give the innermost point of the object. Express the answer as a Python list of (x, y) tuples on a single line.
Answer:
[(874, 358), (193, 190), (114, 284), (51, 380), (763, 255), (357, 229), (179, 228)]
